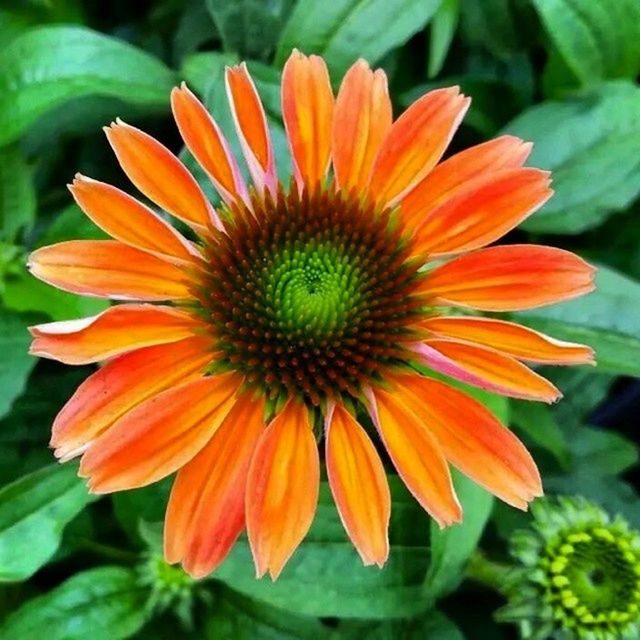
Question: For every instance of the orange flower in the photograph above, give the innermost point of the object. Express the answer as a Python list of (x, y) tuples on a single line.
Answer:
[(292, 311)]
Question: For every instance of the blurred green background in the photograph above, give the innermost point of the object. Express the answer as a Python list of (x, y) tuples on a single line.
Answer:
[(562, 73)]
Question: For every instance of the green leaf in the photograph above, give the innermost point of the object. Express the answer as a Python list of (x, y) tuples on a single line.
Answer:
[(490, 24), (102, 604), (606, 319), (596, 39), (344, 30), (17, 194), (595, 135), (33, 513), (451, 547), (443, 28), (326, 577), (48, 66), (249, 27), (602, 452), (16, 363)]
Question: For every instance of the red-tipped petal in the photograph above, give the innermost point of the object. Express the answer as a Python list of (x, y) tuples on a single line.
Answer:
[(307, 111), (359, 486), (158, 436), (417, 456), (205, 514), (473, 439), (361, 120), (282, 489), (509, 278), (108, 269)]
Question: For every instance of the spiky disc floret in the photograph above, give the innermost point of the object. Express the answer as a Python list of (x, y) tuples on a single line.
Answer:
[(581, 576), (310, 294)]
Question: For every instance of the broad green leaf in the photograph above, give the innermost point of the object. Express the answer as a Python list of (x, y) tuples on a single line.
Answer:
[(344, 30), (249, 27), (101, 604), (451, 547), (607, 320), (538, 423), (17, 194), (33, 513), (235, 617), (596, 39), (48, 66), (16, 363), (443, 28), (326, 577), (595, 135)]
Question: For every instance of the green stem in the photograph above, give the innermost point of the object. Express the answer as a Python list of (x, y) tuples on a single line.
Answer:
[(495, 575), (105, 551)]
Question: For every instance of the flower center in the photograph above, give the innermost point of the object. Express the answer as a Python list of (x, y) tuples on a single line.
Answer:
[(596, 578), (310, 294)]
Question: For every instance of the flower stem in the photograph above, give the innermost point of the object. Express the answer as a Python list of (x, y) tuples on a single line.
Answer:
[(495, 575)]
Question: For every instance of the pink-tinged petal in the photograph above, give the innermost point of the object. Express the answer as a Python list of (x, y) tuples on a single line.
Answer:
[(207, 143), (472, 439), (415, 143), (109, 269), (509, 278), (485, 368), (115, 331), (510, 338), (505, 152), (122, 384), (251, 125), (131, 222), (205, 514), (160, 175), (359, 486), (282, 489), (361, 120), (417, 457), (159, 436), (482, 211), (307, 111)]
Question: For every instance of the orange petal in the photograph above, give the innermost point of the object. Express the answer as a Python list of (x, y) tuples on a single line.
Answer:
[(205, 514), (361, 120), (415, 143), (307, 111), (251, 125), (473, 439), (160, 175), (208, 145), (117, 330), (417, 456), (282, 489), (359, 486), (131, 222), (121, 385), (509, 278), (505, 152), (108, 269), (158, 436), (483, 211), (487, 369), (510, 338)]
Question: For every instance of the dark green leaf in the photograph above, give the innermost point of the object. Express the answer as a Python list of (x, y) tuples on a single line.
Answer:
[(344, 30), (48, 66), (443, 28), (596, 135), (100, 604), (602, 452), (489, 24), (16, 363), (17, 194), (249, 27), (33, 513), (607, 320), (596, 39), (326, 577)]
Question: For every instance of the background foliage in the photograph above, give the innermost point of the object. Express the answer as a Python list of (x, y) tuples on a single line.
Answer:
[(562, 73)]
